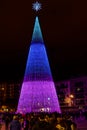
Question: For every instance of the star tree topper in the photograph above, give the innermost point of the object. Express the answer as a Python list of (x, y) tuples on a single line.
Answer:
[(36, 6)]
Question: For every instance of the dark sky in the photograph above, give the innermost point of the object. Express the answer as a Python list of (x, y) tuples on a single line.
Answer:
[(64, 28)]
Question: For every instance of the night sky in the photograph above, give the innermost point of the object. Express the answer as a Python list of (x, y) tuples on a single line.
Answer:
[(64, 28)]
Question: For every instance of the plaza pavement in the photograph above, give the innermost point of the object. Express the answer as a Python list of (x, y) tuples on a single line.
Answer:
[(81, 124)]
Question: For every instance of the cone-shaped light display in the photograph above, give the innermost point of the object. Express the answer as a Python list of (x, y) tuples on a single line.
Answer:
[(38, 92)]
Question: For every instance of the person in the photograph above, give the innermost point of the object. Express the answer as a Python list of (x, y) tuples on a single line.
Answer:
[(41, 124), (1, 123), (7, 121), (71, 125), (15, 124), (26, 123), (60, 125)]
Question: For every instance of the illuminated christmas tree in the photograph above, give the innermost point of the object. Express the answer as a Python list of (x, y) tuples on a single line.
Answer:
[(38, 92)]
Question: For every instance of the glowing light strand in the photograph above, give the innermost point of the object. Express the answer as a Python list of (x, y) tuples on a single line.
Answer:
[(38, 93)]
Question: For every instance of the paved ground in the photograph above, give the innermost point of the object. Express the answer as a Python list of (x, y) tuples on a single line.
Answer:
[(82, 124)]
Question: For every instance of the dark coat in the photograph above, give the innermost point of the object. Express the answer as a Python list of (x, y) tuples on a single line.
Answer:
[(41, 125), (15, 125)]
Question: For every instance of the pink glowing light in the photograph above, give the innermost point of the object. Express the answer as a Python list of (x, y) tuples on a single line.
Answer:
[(38, 96)]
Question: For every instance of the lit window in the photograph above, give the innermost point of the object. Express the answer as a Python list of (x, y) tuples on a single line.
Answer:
[(3, 88)]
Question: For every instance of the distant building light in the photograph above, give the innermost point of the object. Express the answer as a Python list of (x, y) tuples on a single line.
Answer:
[(71, 96), (3, 88), (78, 89)]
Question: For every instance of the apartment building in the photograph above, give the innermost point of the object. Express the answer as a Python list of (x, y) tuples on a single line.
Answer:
[(72, 93), (9, 94)]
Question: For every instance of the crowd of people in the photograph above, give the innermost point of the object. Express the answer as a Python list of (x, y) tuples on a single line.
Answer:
[(39, 121)]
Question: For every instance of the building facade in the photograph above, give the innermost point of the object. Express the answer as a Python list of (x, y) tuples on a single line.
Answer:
[(9, 94), (72, 93)]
